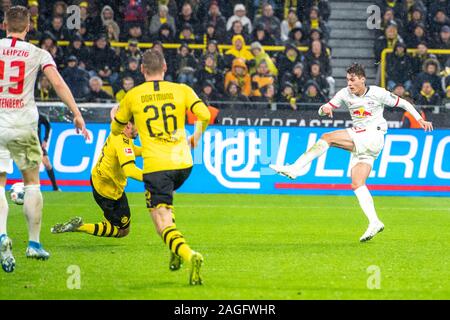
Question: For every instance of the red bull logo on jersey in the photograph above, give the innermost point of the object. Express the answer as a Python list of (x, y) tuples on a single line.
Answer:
[(361, 113)]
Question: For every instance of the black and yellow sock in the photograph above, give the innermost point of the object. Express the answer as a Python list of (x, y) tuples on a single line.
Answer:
[(176, 242), (101, 229)]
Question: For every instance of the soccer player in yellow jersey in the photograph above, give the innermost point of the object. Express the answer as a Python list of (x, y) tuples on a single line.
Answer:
[(159, 110), (108, 179)]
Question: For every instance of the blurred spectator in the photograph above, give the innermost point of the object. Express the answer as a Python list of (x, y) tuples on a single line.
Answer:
[(103, 61), (107, 15), (408, 7), (323, 5), (260, 55), (76, 78), (298, 7), (297, 37), (240, 15), (440, 19), (187, 16), (261, 78), (96, 93), (165, 34), (312, 93), (289, 23), (237, 30), (209, 72), (260, 35), (399, 68), (134, 13), (92, 25), (185, 65), (296, 77), (171, 4), (132, 71), (37, 21), (315, 34), (314, 21), (318, 53), (399, 90), (395, 5), (44, 89), (48, 42), (315, 74), (420, 56), (187, 34), (215, 18), (78, 49), (388, 40), (237, 50), (417, 16), (212, 48), (288, 97), (212, 34), (427, 95), (429, 74), (257, 7), (234, 98), (271, 23), (288, 59), (267, 100), (58, 30), (443, 41), (112, 33), (162, 17), (127, 85), (436, 5), (239, 74), (209, 93), (135, 32), (419, 35), (131, 51)]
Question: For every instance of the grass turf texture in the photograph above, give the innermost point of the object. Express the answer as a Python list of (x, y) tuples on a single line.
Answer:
[(255, 247)]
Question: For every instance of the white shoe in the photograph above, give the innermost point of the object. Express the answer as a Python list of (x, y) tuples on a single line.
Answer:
[(371, 231), (284, 171), (6, 257)]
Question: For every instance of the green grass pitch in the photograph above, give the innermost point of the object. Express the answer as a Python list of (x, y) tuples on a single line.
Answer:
[(255, 247)]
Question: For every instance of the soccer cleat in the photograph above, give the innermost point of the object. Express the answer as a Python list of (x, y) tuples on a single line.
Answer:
[(284, 171), (195, 265), (175, 262), (36, 251), (371, 231), (70, 226), (6, 257)]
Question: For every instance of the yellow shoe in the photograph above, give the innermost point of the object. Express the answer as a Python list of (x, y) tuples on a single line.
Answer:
[(175, 262), (196, 264)]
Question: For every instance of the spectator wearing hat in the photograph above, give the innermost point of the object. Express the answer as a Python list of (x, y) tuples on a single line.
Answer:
[(103, 61), (162, 17), (260, 35), (112, 33), (78, 49), (288, 59), (270, 22), (297, 77), (298, 37), (209, 72), (261, 55), (289, 23), (96, 93), (127, 84), (239, 74), (187, 16), (187, 34), (209, 93), (237, 30), (240, 15), (107, 16), (313, 93), (443, 41), (37, 21), (418, 35), (288, 97), (430, 73), (131, 51), (237, 50), (76, 78), (261, 78), (132, 70), (399, 68), (388, 40), (215, 18), (185, 65)]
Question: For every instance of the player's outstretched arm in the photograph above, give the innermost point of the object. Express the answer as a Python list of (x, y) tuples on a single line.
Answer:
[(63, 91), (326, 110), (405, 105)]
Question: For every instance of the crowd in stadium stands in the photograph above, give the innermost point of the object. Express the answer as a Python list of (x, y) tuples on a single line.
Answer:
[(238, 74), (421, 76)]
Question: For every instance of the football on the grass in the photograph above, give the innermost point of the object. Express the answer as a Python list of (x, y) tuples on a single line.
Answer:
[(17, 193)]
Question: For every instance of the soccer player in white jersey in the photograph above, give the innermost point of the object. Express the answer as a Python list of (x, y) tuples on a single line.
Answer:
[(364, 140), (20, 63)]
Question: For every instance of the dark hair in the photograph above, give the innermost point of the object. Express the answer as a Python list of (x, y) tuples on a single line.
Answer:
[(17, 18), (357, 69)]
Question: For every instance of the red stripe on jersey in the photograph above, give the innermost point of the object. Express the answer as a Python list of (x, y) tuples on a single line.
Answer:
[(13, 42), (332, 105), (398, 100), (48, 65)]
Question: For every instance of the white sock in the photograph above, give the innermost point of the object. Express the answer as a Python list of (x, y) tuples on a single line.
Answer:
[(319, 148), (32, 208), (3, 210), (366, 202)]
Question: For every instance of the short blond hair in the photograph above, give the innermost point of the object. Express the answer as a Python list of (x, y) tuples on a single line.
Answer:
[(153, 62)]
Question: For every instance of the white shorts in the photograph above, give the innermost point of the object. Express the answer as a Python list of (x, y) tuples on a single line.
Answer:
[(368, 144), (21, 145)]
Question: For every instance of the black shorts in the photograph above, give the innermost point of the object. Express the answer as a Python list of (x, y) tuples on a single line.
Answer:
[(160, 186), (115, 211)]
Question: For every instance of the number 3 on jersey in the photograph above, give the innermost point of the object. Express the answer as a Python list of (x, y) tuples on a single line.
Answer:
[(167, 118), (17, 79)]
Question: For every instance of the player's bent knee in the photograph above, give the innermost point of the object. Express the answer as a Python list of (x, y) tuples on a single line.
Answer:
[(328, 137)]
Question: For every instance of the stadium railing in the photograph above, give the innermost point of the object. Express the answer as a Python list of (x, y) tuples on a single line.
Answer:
[(387, 51)]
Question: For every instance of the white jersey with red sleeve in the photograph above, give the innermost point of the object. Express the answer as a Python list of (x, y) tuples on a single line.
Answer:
[(20, 63), (366, 110)]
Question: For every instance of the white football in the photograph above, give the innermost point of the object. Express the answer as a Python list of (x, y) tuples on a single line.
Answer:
[(17, 193)]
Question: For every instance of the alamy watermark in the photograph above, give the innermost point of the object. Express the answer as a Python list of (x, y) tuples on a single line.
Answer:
[(374, 279), (73, 281), (73, 17)]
